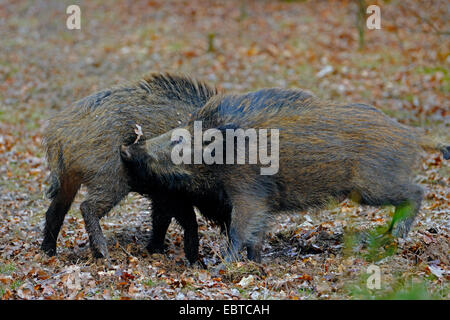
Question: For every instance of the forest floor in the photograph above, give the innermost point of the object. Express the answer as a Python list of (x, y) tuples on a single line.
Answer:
[(238, 46)]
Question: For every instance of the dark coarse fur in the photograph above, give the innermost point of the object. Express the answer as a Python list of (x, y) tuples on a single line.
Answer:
[(82, 144), (326, 151)]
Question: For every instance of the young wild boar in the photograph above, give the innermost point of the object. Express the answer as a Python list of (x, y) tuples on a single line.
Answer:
[(325, 151), (82, 144)]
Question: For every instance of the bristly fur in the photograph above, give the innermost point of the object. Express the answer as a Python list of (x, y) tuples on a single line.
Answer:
[(82, 145), (327, 151)]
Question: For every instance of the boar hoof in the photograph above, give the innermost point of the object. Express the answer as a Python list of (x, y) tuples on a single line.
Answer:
[(100, 252), (155, 249), (49, 249)]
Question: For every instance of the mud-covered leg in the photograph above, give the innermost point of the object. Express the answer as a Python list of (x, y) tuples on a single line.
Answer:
[(54, 217)]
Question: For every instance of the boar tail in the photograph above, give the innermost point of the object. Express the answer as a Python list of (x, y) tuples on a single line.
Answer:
[(56, 169), (55, 186)]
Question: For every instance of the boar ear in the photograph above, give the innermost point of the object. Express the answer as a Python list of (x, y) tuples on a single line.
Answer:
[(125, 153)]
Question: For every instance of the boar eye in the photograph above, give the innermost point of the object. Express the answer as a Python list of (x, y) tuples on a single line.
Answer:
[(177, 141)]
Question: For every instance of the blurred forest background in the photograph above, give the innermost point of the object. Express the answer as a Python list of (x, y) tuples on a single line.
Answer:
[(322, 46)]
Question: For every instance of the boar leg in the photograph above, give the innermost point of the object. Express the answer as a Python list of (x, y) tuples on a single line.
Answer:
[(160, 223), (254, 250), (91, 215), (248, 223), (164, 208), (406, 198), (410, 207), (98, 204), (54, 217), (188, 221)]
